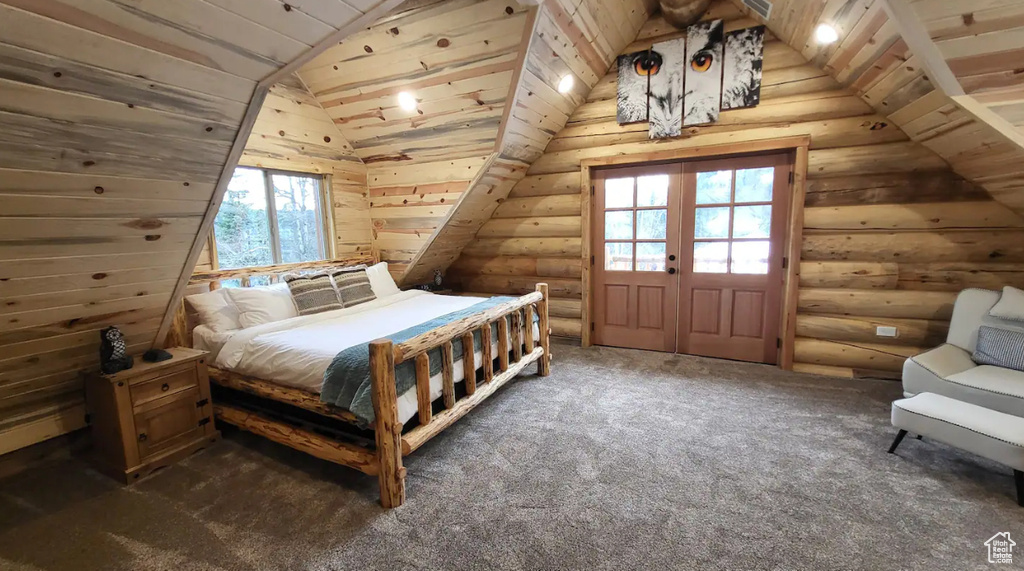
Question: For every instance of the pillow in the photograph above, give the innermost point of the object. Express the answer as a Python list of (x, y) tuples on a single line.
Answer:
[(1000, 347), (353, 286), (215, 310), (313, 293), (1010, 305), (259, 305), (381, 282)]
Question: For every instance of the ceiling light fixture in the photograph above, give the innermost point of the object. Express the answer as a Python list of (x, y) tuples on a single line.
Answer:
[(565, 84), (826, 34), (407, 101)]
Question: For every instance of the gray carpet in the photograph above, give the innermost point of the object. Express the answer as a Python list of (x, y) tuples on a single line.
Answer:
[(619, 460)]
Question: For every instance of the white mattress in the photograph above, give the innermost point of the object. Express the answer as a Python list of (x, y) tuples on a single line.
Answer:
[(295, 352)]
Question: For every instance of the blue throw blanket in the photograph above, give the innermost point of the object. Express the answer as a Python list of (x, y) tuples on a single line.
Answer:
[(347, 380)]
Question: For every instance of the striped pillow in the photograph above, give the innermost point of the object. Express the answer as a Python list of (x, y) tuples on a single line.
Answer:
[(353, 286), (313, 293), (1000, 347)]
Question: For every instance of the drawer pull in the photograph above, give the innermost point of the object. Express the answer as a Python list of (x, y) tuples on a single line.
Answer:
[(202, 403), (204, 421), (143, 437), (165, 387)]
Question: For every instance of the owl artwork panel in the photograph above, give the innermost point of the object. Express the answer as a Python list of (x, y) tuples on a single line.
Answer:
[(634, 70), (701, 103), (666, 89), (744, 55)]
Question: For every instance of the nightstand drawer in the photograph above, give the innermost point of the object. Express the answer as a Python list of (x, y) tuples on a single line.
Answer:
[(163, 386), (168, 421)]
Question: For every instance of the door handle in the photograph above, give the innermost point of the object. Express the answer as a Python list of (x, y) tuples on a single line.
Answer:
[(672, 257), (671, 270)]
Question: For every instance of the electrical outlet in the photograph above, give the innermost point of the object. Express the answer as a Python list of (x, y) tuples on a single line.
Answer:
[(884, 331)]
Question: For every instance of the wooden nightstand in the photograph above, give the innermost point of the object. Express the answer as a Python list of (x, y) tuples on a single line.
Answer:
[(151, 415)]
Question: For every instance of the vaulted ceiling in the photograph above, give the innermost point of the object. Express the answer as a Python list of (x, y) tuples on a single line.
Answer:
[(577, 38), (941, 70), (458, 57), (121, 118)]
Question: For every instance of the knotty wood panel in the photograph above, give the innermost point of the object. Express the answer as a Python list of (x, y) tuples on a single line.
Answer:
[(566, 38), (115, 126), (982, 44), (890, 236)]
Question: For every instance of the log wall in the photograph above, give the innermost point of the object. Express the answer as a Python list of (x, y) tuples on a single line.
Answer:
[(891, 233)]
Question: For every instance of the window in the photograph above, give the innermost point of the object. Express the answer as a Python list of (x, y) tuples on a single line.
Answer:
[(732, 221), (636, 223), (271, 217)]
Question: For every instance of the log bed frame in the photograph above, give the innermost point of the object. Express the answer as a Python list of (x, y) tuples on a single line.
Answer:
[(384, 459)]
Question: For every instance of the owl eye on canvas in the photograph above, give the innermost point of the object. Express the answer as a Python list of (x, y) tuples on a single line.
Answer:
[(647, 63), (702, 61)]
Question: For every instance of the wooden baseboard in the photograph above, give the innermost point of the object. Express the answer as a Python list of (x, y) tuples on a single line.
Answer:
[(56, 449), (43, 428)]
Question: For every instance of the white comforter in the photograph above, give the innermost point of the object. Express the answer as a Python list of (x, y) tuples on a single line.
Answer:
[(295, 352)]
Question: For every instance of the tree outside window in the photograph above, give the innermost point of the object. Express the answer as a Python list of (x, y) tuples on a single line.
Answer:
[(270, 217)]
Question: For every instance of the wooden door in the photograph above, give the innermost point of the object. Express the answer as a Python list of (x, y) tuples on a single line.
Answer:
[(636, 235), (733, 235)]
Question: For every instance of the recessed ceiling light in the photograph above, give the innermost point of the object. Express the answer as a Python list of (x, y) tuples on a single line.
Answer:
[(565, 84), (407, 101), (826, 34)]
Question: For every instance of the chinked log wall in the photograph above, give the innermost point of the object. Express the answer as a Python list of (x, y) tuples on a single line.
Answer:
[(890, 234)]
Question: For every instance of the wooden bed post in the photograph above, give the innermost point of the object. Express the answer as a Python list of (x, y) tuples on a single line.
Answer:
[(388, 430), (544, 363)]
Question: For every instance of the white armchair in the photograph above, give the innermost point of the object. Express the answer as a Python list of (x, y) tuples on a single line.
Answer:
[(949, 371)]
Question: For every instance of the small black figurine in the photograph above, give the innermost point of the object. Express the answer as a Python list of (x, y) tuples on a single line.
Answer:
[(114, 355)]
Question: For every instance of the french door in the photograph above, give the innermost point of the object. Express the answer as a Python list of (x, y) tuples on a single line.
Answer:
[(689, 256), (635, 265)]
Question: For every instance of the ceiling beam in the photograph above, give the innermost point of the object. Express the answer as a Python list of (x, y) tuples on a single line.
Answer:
[(917, 38)]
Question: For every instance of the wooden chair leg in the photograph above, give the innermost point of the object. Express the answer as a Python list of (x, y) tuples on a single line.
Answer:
[(1018, 478), (896, 442)]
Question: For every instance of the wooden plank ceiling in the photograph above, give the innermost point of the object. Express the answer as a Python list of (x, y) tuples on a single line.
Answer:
[(458, 59), (568, 37), (116, 121), (980, 43), (983, 45)]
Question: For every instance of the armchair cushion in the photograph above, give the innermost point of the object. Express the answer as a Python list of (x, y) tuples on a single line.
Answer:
[(991, 387), (1010, 305), (1000, 347)]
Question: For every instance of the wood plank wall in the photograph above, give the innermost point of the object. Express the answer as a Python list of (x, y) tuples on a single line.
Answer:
[(409, 201), (457, 57), (114, 127), (890, 232), (294, 133), (569, 38)]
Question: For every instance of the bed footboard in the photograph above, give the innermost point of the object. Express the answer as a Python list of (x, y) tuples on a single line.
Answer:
[(516, 338)]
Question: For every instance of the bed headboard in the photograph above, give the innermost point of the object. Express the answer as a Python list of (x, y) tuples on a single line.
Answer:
[(180, 334)]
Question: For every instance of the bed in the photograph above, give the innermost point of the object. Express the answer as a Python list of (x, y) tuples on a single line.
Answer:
[(268, 378)]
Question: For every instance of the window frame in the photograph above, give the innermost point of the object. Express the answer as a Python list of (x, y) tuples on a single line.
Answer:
[(322, 214)]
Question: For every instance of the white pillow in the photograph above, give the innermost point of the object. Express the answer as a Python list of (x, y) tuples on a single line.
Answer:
[(215, 310), (259, 305), (1010, 305), (381, 281)]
